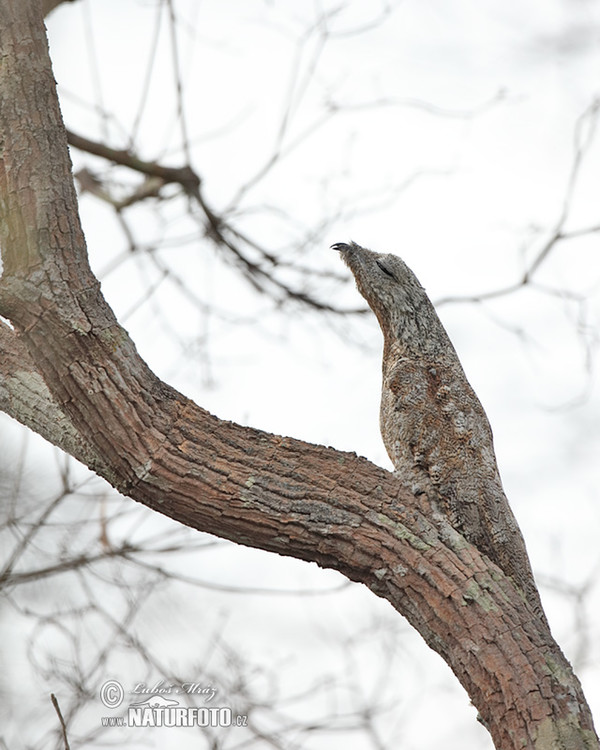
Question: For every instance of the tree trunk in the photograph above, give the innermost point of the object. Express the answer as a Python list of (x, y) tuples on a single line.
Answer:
[(70, 372)]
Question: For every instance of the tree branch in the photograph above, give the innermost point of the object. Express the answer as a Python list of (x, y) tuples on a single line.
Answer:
[(215, 225), (25, 397), (63, 726), (278, 494), (49, 5), (184, 176)]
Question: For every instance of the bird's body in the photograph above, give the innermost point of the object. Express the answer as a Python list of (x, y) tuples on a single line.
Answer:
[(432, 423)]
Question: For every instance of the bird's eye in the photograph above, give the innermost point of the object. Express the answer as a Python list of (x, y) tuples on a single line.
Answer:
[(386, 271)]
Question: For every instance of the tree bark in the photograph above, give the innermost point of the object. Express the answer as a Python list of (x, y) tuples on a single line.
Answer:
[(70, 372), (49, 5)]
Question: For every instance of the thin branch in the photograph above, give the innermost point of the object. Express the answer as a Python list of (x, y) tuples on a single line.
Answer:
[(411, 102), (252, 590), (585, 130), (94, 67), (148, 76), (60, 718), (215, 226), (5, 573), (178, 81)]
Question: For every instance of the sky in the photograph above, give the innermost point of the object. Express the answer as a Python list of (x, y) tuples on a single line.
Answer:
[(444, 132)]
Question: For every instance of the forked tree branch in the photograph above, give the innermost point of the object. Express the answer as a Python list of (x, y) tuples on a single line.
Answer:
[(216, 226), (275, 493), (184, 176)]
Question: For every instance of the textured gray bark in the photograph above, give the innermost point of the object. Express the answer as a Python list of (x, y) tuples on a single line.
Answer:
[(279, 494)]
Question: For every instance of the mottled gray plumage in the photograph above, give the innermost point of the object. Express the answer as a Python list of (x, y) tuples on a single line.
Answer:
[(432, 423)]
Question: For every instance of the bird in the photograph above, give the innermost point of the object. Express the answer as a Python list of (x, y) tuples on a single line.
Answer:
[(433, 425)]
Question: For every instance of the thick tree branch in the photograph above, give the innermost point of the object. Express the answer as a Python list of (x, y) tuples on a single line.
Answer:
[(184, 176), (25, 396), (266, 491)]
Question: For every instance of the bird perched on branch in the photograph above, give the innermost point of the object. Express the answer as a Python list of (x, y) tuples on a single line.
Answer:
[(432, 423)]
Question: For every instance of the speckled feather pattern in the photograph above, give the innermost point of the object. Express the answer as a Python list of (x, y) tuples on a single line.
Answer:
[(432, 423)]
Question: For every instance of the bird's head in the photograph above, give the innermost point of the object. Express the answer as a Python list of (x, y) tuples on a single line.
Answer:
[(395, 295)]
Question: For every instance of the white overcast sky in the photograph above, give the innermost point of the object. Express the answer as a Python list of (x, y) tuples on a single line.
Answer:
[(456, 127)]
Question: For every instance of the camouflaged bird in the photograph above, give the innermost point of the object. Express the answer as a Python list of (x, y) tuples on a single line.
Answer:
[(432, 423)]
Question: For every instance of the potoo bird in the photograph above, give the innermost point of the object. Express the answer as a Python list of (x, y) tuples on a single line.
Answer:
[(433, 426)]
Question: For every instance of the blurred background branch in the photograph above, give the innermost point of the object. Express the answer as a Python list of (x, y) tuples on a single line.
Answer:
[(464, 140)]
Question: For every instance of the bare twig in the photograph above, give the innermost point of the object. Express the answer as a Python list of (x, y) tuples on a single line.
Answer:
[(585, 130), (60, 718), (178, 80), (214, 225)]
